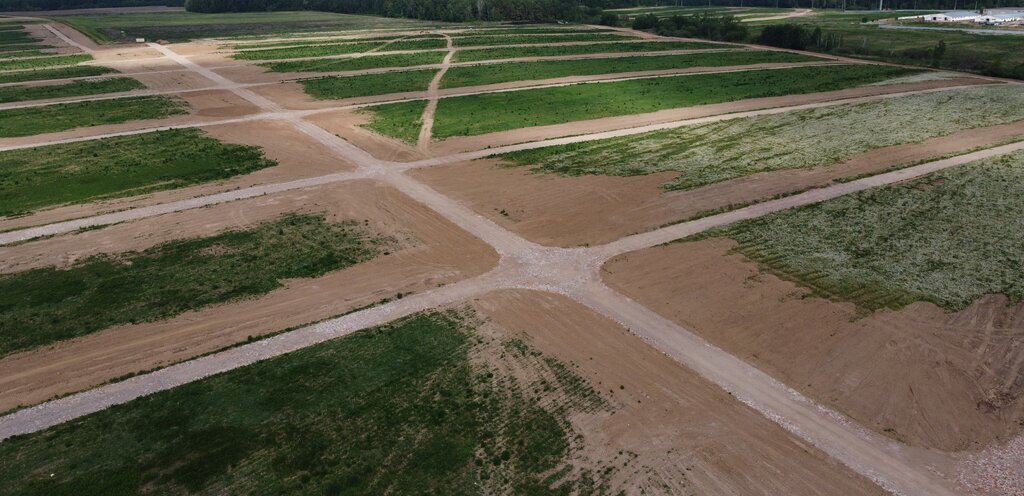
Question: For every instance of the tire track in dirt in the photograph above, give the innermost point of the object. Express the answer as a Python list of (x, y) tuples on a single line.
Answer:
[(427, 119)]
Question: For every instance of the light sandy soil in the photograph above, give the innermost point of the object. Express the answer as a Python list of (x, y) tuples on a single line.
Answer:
[(429, 252), (947, 381), (47, 37), (467, 143), (681, 434), (556, 210), (347, 124), (297, 155), (174, 81)]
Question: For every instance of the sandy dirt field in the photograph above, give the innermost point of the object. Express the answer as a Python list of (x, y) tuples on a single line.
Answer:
[(348, 125), (556, 210), (298, 156), (428, 251), (688, 437), (947, 381)]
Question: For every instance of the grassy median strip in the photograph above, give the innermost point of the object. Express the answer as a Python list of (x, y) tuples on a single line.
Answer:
[(710, 153), (948, 238), (336, 88), (114, 167), (472, 115), (56, 73), (55, 61), (64, 116), (555, 51), (76, 88), (424, 405), (357, 64), (528, 71), (46, 305), (338, 49), (465, 41)]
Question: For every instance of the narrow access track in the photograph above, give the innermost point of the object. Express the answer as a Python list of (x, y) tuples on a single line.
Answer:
[(427, 119)]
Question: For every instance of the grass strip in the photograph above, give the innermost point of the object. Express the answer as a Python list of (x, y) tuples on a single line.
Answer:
[(400, 120), (338, 49), (61, 117), (76, 88), (336, 88), (56, 73), (21, 47), (58, 60), (719, 151), (527, 30), (405, 408), (472, 115), (327, 41), (536, 39), (356, 64), (555, 51), (477, 75), (20, 54), (46, 305), (948, 238), (114, 167)]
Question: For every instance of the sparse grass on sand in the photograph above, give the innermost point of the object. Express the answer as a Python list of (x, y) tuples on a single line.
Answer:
[(471, 115), (476, 75), (947, 238), (46, 305), (424, 405), (400, 120), (56, 73), (555, 51), (55, 61), (51, 175), (338, 49), (72, 89), (64, 116), (709, 153), (370, 84), (356, 64)]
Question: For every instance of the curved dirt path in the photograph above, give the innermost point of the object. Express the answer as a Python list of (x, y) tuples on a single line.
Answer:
[(427, 119), (789, 15), (572, 272)]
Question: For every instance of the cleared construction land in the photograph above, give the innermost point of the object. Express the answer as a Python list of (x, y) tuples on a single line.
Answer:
[(319, 253)]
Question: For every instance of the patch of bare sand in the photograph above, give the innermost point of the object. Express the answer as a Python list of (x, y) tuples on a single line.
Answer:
[(556, 210), (174, 81), (347, 124), (251, 73), (129, 53), (292, 95), (946, 381), (47, 37), (667, 431), (469, 143), (430, 251), (298, 156)]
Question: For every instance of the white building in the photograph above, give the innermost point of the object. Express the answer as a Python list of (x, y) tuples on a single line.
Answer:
[(993, 19), (954, 16)]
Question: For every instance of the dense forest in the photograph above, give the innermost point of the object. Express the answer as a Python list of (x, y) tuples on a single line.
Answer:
[(31, 5)]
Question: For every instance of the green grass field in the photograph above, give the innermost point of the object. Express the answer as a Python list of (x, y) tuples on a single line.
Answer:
[(528, 30), (40, 63), (404, 408), (555, 51), (55, 73), (400, 120), (336, 88), (355, 64), (46, 305), (471, 115), (21, 54), (948, 238), (75, 88), (181, 26), (338, 49), (710, 153), (5, 49), (513, 39), (527, 71), (258, 45), (115, 167), (61, 117)]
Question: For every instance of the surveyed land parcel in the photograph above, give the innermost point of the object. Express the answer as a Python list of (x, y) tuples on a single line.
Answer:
[(61, 117)]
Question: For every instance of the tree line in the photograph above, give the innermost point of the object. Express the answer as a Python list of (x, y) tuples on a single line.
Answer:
[(35, 5), (443, 10)]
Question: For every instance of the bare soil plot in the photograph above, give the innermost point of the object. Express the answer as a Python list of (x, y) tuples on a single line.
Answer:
[(350, 125), (671, 431), (432, 252)]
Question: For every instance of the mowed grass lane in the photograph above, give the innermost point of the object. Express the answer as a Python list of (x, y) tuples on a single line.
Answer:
[(74, 71), (87, 171), (719, 151), (64, 116), (336, 88), (76, 88), (372, 61), (471, 115), (477, 75), (467, 41), (406, 408), (338, 49), (39, 63), (46, 305), (948, 238), (555, 51)]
